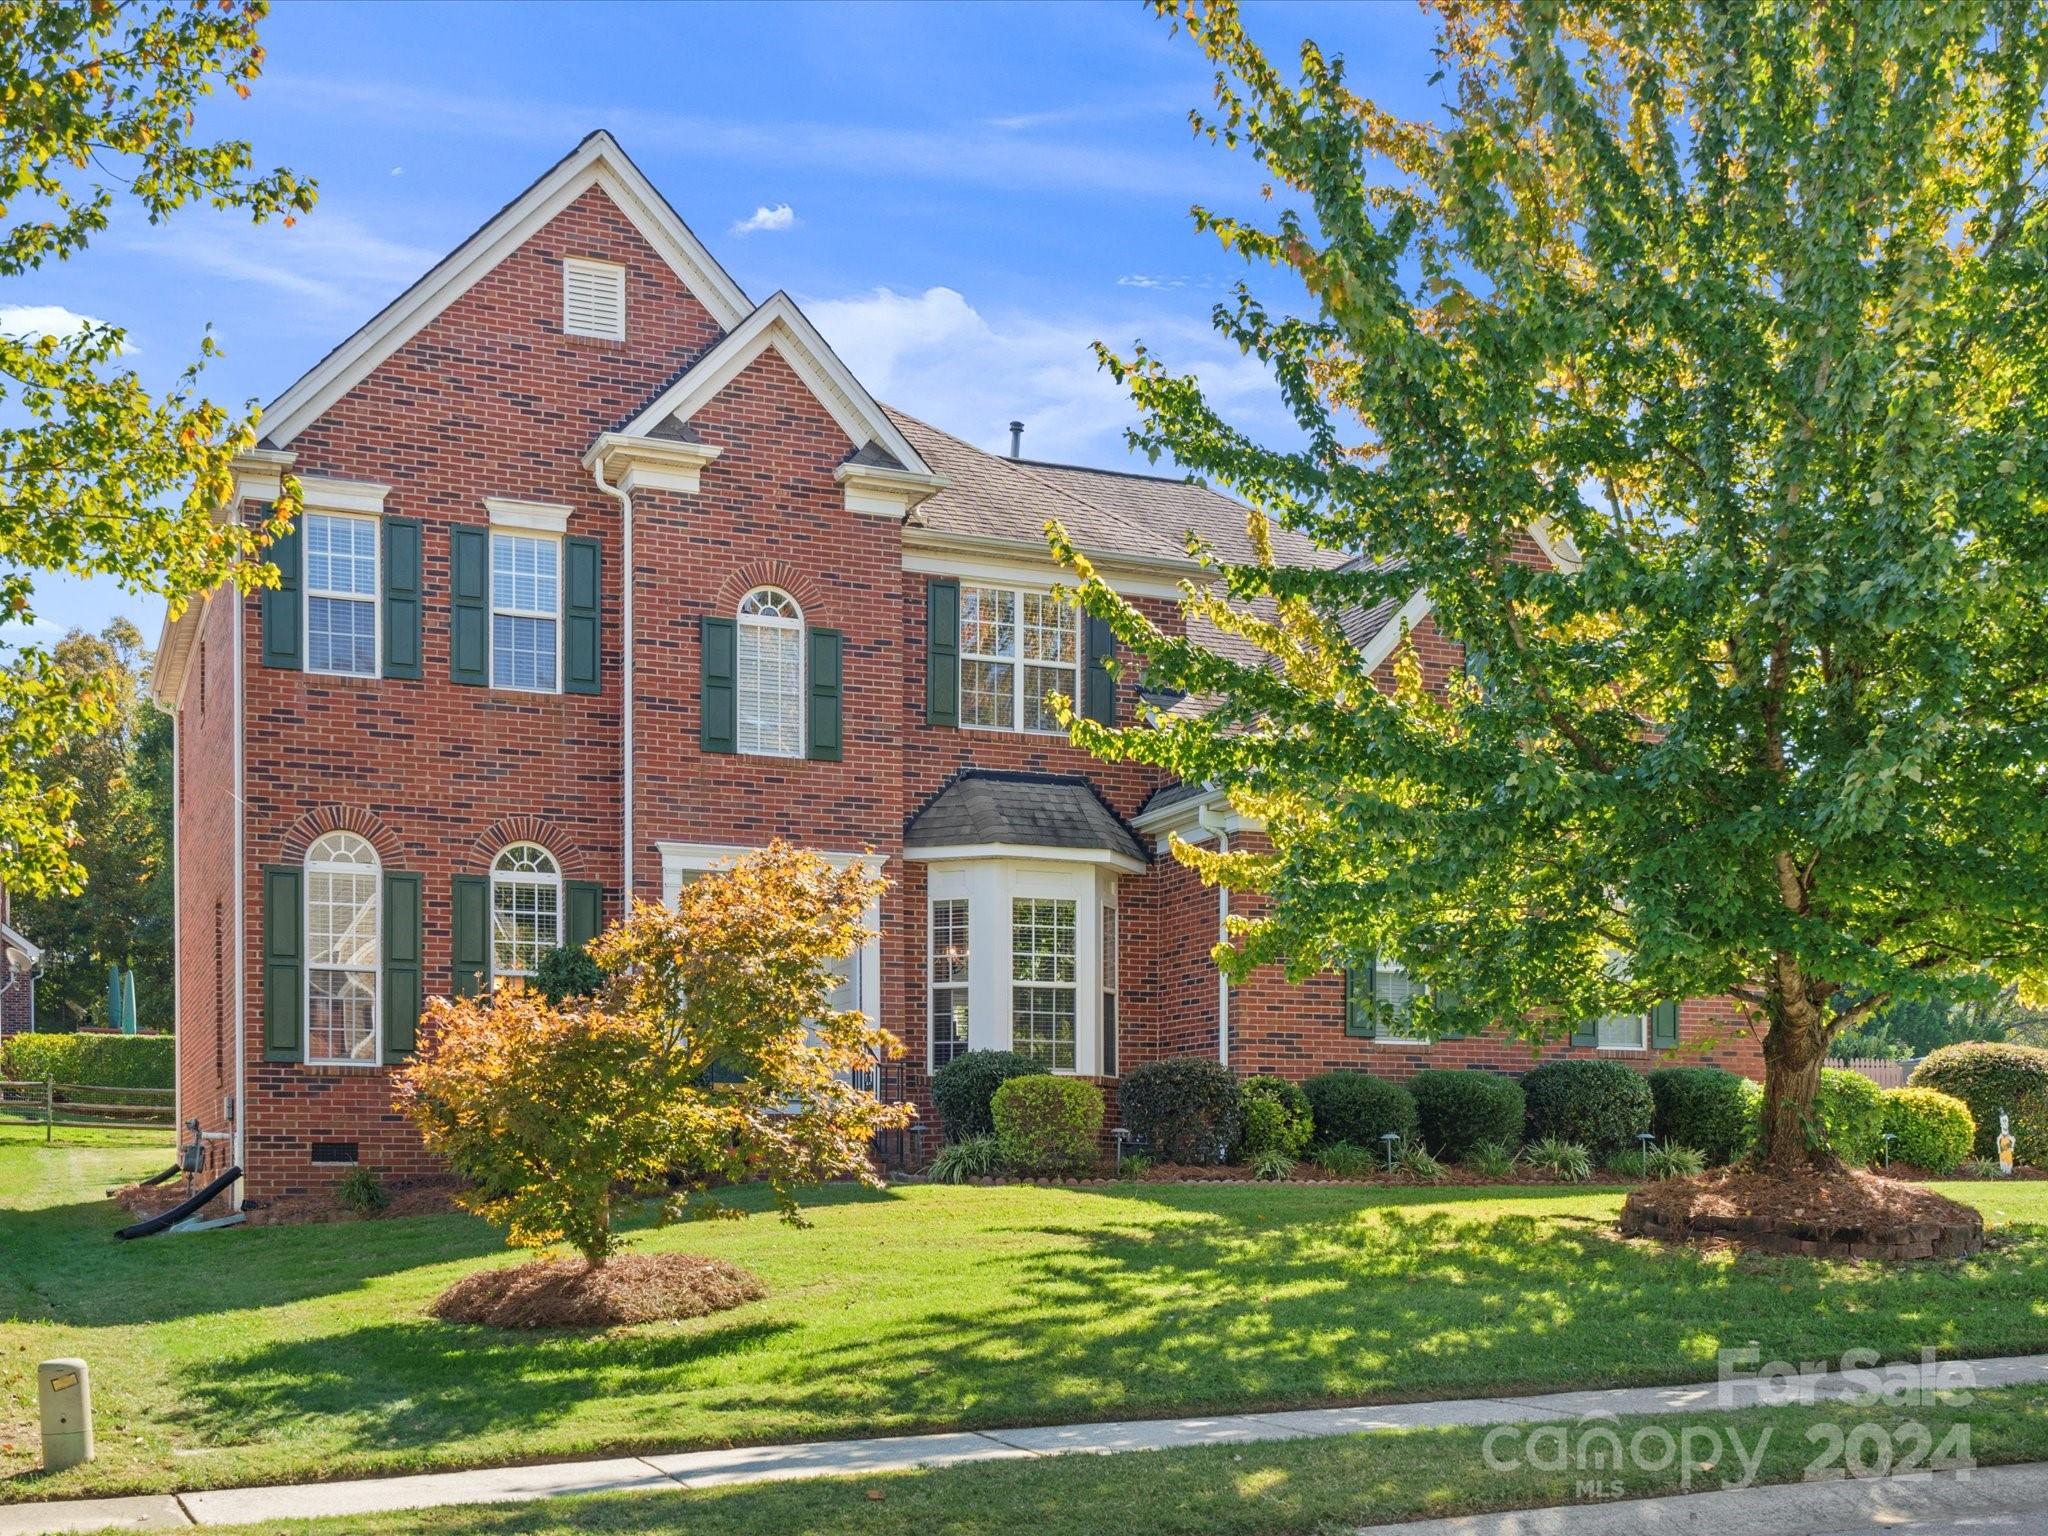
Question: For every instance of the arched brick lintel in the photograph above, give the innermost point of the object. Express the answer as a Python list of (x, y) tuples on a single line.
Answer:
[(771, 573), (501, 834), (319, 820)]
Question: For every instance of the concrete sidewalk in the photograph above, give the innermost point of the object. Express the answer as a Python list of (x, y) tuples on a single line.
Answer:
[(854, 1458)]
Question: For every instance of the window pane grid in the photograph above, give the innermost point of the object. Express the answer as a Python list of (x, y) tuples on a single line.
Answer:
[(526, 910), (770, 675), (341, 950), (341, 594), (525, 604), (949, 963), (1017, 649), (1043, 945), (1624, 1032)]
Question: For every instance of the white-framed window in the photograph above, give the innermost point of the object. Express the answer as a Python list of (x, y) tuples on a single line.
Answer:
[(1017, 649), (341, 952), (770, 674), (1109, 972), (948, 949), (1044, 971), (1624, 1032), (340, 554), (526, 611), (1388, 984), (526, 910), (594, 298)]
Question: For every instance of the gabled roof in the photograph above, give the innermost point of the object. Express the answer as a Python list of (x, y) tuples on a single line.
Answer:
[(780, 325), (986, 808), (597, 161)]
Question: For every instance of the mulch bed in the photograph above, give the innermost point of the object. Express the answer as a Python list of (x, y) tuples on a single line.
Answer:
[(567, 1293), (419, 1197), (1847, 1215)]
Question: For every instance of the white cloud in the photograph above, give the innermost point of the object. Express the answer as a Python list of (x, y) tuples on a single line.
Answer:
[(940, 358), (764, 218), (42, 320), (328, 258)]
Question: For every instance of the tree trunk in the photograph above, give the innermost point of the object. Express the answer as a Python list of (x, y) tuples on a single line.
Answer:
[(1795, 1047)]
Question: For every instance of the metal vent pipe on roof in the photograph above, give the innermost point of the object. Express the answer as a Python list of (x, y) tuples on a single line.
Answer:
[(1016, 439)]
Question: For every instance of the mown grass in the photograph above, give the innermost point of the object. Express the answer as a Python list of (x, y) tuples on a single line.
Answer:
[(274, 1354), (1273, 1488)]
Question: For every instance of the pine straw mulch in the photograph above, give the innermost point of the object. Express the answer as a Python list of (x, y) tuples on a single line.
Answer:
[(567, 1293), (1845, 1214)]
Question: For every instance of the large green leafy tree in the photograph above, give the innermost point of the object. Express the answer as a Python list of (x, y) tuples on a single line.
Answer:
[(118, 778), (98, 474), (1741, 305)]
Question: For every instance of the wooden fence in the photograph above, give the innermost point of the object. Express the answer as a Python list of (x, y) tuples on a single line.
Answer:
[(51, 1104), (1881, 1070)]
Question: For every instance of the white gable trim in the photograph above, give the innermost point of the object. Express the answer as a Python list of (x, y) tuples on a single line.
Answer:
[(596, 162), (1381, 645), (778, 323)]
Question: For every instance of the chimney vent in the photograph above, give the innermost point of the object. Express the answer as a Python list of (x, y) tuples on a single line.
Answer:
[(1016, 439)]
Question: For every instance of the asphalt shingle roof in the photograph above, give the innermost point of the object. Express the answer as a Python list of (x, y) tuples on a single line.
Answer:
[(1031, 810)]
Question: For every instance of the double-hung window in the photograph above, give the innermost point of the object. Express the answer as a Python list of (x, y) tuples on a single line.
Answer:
[(1043, 973), (526, 604), (949, 984), (341, 951), (341, 594), (1109, 961), (770, 674), (1017, 649), (1380, 999), (526, 910), (1623, 1032)]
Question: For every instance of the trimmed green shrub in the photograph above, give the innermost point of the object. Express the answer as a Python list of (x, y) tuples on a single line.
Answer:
[(97, 1061), (1457, 1110), (963, 1087), (1603, 1106), (1706, 1107), (1989, 1078), (1184, 1108), (1274, 1116), (1851, 1110), (1359, 1108), (564, 973), (1048, 1125), (1929, 1129)]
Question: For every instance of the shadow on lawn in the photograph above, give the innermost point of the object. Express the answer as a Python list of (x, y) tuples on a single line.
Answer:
[(1234, 1310)]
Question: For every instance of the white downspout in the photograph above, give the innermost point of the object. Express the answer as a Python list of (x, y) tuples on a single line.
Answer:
[(1209, 819), (625, 501)]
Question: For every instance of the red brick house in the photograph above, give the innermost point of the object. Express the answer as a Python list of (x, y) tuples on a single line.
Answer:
[(608, 572), (20, 964)]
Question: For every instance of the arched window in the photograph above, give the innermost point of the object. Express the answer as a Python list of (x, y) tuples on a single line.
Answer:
[(526, 909), (341, 951), (771, 674)]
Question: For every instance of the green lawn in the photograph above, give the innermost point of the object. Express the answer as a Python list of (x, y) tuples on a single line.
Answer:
[(271, 1354), (1275, 1488)]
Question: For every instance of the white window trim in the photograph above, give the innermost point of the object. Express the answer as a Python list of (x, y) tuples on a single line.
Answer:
[(1071, 903), (1381, 1035), (1017, 663), (933, 986), (523, 877), (375, 599), (679, 859), (742, 620), (1642, 1041), (528, 516), (1109, 941), (376, 969), (492, 610), (612, 272)]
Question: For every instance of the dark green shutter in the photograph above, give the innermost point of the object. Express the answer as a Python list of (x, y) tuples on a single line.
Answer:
[(1099, 685), (282, 642), (401, 597), (718, 728), (469, 617), (586, 912), (404, 975), (823, 707), (284, 962), (1587, 1033), (1358, 1015), (470, 925), (1664, 1026), (580, 616), (942, 653)]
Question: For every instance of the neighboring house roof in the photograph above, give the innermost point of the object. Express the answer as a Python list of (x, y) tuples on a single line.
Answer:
[(1173, 794), (597, 161), (984, 807)]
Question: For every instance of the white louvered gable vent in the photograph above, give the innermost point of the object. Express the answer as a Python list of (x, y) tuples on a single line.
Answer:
[(594, 299)]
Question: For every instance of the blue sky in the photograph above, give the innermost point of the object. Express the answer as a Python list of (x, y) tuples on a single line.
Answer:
[(962, 197)]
